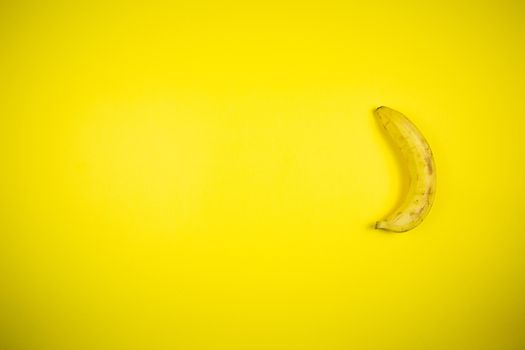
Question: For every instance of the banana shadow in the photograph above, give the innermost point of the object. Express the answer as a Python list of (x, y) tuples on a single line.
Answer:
[(402, 169)]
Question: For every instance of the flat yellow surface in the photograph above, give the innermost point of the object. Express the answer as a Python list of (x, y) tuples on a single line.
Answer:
[(204, 175)]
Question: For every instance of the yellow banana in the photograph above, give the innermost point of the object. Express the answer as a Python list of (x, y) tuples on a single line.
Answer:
[(422, 171)]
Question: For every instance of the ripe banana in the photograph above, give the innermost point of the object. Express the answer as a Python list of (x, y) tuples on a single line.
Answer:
[(422, 171)]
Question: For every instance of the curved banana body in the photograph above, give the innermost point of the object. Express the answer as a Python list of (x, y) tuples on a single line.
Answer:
[(422, 171)]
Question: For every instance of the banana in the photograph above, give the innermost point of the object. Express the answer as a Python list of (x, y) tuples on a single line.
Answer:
[(422, 171)]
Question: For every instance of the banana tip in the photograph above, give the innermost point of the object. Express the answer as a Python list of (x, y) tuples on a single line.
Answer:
[(381, 225)]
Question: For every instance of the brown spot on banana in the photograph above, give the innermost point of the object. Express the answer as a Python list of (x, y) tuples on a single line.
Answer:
[(429, 166)]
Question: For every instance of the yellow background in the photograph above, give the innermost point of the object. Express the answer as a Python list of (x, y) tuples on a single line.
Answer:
[(205, 175)]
